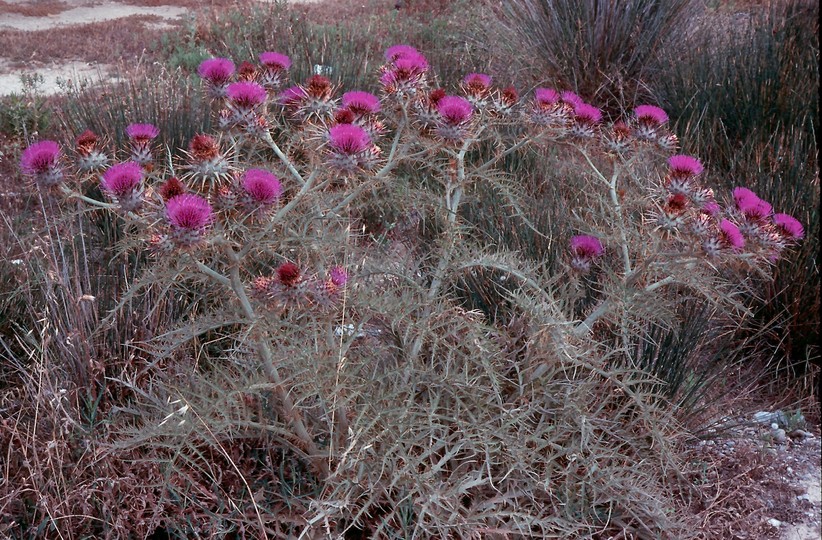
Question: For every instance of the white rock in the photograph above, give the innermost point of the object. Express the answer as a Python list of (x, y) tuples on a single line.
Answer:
[(775, 523)]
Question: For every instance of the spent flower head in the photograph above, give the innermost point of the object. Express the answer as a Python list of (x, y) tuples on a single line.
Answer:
[(171, 188)]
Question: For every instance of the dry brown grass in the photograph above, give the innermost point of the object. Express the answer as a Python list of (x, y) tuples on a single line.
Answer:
[(34, 9), (124, 39)]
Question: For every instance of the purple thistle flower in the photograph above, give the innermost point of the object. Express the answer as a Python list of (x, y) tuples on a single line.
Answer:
[(744, 198), (274, 60), (455, 110), (587, 114), (586, 247), (731, 235), (413, 64), (789, 226), (188, 212), (477, 80), (41, 160), (684, 166), (338, 276), (263, 187), (759, 211), (571, 99), (246, 95), (292, 96), (650, 114), (348, 139), (217, 71), (122, 179), (361, 102), (400, 51), (546, 96), (142, 132), (711, 208)]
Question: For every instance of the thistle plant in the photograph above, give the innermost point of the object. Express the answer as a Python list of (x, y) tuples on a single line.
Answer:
[(331, 333)]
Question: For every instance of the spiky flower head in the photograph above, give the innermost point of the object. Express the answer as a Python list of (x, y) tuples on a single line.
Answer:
[(548, 109), (123, 182), (91, 158), (350, 147), (140, 136), (274, 60), (142, 132), (571, 99), (586, 118), (478, 81), (86, 142), (338, 276), (246, 71), (584, 250), (188, 212), (348, 139), (731, 236), (171, 188), (41, 161), (587, 114), (405, 72), (650, 115), (274, 67), (289, 274), (618, 139), (293, 96), (263, 187), (361, 103), (586, 246), (121, 179), (203, 147), (682, 166), (217, 72), (788, 226), (399, 51), (246, 95), (455, 110), (711, 208), (455, 116), (546, 97), (477, 86), (344, 116)]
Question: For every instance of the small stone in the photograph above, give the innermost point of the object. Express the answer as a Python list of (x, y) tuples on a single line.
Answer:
[(779, 435), (775, 523)]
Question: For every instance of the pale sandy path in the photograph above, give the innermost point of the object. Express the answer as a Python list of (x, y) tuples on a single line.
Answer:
[(53, 76)]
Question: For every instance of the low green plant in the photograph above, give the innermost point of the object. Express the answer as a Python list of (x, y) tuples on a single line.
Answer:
[(25, 115)]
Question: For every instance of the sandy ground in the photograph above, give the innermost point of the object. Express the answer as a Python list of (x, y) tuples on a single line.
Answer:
[(53, 77)]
